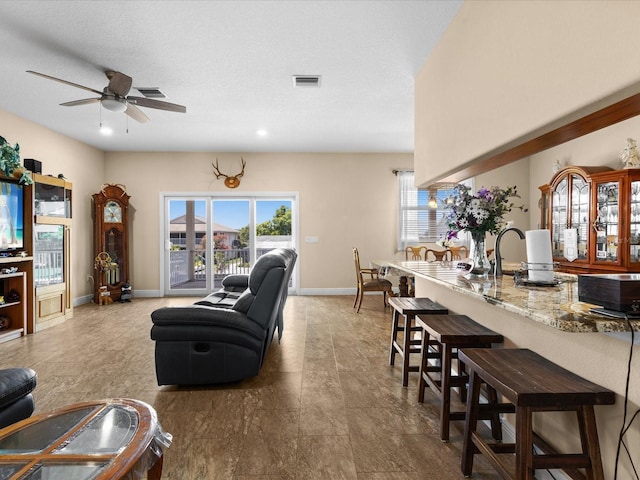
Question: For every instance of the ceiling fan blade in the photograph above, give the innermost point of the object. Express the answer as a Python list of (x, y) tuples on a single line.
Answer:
[(119, 83), (65, 81), (151, 103), (135, 113), (85, 101)]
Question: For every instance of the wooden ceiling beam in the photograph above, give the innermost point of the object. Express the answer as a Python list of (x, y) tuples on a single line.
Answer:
[(604, 117)]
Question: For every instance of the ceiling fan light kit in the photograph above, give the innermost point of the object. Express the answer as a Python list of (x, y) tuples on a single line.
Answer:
[(114, 104), (114, 97)]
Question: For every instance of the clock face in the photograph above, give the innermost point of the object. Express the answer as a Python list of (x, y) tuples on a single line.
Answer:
[(112, 212)]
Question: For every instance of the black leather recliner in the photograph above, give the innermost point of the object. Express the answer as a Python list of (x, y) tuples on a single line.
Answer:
[(16, 400), (224, 337)]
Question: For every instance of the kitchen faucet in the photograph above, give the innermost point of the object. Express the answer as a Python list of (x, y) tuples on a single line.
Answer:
[(498, 269)]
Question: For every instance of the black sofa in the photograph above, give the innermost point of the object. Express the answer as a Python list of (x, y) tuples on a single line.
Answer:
[(224, 337)]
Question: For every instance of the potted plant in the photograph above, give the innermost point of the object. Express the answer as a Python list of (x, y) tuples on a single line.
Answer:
[(10, 163)]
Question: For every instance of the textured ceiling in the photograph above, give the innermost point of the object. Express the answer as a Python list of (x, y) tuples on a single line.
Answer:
[(231, 64)]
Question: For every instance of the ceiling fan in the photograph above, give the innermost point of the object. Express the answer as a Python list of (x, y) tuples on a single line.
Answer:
[(114, 97)]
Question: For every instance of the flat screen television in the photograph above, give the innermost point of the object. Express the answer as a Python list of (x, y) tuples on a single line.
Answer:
[(11, 216)]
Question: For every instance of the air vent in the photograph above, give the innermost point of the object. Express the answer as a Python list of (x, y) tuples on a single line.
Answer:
[(306, 80), (151, 92)]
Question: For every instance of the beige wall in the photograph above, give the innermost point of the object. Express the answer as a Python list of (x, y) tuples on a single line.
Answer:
[(516, 174), (506, 68), (346, 200), (502, 71), (82, 165), (594, 356)]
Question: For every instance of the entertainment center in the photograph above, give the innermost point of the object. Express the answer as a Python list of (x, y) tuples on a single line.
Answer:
[(35, 228)]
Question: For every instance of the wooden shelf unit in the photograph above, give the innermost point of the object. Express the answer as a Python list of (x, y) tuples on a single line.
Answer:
[(49, 201), (16, 312)]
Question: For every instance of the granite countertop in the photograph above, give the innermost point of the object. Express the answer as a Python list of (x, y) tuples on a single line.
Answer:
[(555, 306)]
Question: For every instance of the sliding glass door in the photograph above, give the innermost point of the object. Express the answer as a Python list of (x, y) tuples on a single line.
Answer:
[(208, 238), (231, 252)]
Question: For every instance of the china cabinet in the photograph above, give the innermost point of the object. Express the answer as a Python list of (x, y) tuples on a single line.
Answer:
[(601, 207)]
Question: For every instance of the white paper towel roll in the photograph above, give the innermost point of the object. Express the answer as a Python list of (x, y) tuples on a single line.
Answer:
[(539, 254)]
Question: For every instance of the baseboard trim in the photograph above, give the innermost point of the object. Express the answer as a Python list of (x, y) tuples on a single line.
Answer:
[(82, 300), (301, 291), (326, 291), (137, 293), (148, 294), (332, 291)]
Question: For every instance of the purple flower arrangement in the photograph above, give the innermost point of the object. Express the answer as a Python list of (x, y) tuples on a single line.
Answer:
[(482, 212)]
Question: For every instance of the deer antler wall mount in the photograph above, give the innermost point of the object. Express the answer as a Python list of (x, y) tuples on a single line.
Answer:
[(230, 181)]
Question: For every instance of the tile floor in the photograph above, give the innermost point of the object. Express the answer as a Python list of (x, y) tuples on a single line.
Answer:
[(326, 404)]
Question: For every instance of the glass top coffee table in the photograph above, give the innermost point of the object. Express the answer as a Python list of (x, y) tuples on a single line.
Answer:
[(108, 439)]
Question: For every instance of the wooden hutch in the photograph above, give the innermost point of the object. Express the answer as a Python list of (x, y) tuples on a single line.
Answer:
[(603, 206)]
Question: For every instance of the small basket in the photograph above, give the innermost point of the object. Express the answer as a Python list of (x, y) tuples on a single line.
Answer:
[(521, 277)]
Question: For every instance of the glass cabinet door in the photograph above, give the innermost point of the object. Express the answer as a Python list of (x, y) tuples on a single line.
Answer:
[(544, 210), (634, 213), (49, 200), (48, 254), (580, 214), (607, 223), (559, 217)]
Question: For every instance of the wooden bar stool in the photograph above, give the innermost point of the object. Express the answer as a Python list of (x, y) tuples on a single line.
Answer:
[(409, 307), (532, 383), (451, 332)]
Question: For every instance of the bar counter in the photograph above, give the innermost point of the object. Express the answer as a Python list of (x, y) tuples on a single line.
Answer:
[(555, 306)]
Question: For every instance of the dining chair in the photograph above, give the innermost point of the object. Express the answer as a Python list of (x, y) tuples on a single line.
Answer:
[(460, 252), (413, 253), (437, 255), (369, 281)]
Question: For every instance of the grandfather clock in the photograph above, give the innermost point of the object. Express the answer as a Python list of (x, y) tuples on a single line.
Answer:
[(110, 242)]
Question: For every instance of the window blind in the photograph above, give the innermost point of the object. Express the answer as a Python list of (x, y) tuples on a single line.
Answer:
[(418, 221)]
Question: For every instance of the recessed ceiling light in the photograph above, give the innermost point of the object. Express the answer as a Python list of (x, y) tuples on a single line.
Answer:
[(262, 132)]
